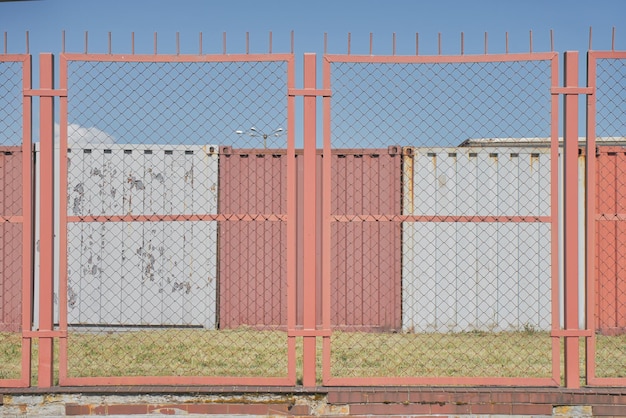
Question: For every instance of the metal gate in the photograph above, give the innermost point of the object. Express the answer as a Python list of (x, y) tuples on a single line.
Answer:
[(139, 222), (431, 102)]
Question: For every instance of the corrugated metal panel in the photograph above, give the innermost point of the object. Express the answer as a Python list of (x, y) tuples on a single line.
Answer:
[(252, 262), (366, 255), (611, 241), (142, 273), (472, 275), (10, 239)]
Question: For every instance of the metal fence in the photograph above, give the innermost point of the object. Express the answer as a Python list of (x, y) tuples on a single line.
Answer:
[(434, 238)]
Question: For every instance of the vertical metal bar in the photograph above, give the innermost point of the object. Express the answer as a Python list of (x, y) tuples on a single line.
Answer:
[(86, 42), (309, 215), (326, 230), (591, 208), (371, 42), (613, 39), (462, 44), (417, 43), (291, 221), (27, 214), (486, 43), (200, 44), (530, 48), (325, 43), (393, 48), (270, 47), (570, 219), (27, 42), (349, 42), (439, 42), (555, 224), (46, 216), (177, 43), (132, 42), (507, 42), (590, 37), (62, 219)]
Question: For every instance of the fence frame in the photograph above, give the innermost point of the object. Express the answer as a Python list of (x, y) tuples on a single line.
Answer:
[(26, 219), (64, 379), (570, 334), (328, 218), (592, 215)]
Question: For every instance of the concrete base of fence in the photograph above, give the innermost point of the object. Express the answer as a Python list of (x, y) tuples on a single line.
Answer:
[(336, 402)]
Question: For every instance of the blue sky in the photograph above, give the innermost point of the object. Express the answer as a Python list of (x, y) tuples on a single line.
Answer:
[(570, 21)]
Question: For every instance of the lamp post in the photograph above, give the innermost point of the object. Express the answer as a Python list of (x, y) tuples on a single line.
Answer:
[(254, 132)]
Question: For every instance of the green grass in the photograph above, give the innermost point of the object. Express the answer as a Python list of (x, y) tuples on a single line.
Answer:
[(249, 353)]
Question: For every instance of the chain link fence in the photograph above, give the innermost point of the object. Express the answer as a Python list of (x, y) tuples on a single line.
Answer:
[(473, 225), (151, 232), (181, 229)]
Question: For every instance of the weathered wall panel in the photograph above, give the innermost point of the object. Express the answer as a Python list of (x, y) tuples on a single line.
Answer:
[(139, 273), (473, 273), (11, 185)]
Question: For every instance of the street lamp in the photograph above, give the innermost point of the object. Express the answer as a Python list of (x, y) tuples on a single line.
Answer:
[(254, 132)]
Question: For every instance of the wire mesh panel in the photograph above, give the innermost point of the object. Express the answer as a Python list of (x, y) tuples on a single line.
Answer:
[(15, 222), (141, 284), (477, 219), (607, 71)]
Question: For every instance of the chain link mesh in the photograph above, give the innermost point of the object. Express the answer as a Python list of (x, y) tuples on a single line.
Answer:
[(474, 274), (610, 303), (150, 234), (11, 183)]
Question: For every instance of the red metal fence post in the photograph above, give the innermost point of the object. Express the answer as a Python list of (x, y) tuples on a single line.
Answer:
[(309, 216), (590, 224), (46, 245), (570, 228), (28, 221)]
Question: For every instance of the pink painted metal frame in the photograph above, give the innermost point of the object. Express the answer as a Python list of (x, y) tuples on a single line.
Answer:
[(592, 215), (26, 219), (328, 218), (289, 217)]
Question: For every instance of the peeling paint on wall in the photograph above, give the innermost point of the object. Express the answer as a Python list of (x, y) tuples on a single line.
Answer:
[(142, 273)]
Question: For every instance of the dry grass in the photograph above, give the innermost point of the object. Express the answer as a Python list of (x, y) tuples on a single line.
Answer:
[(244, 352), (178, 353), (461, 354)]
